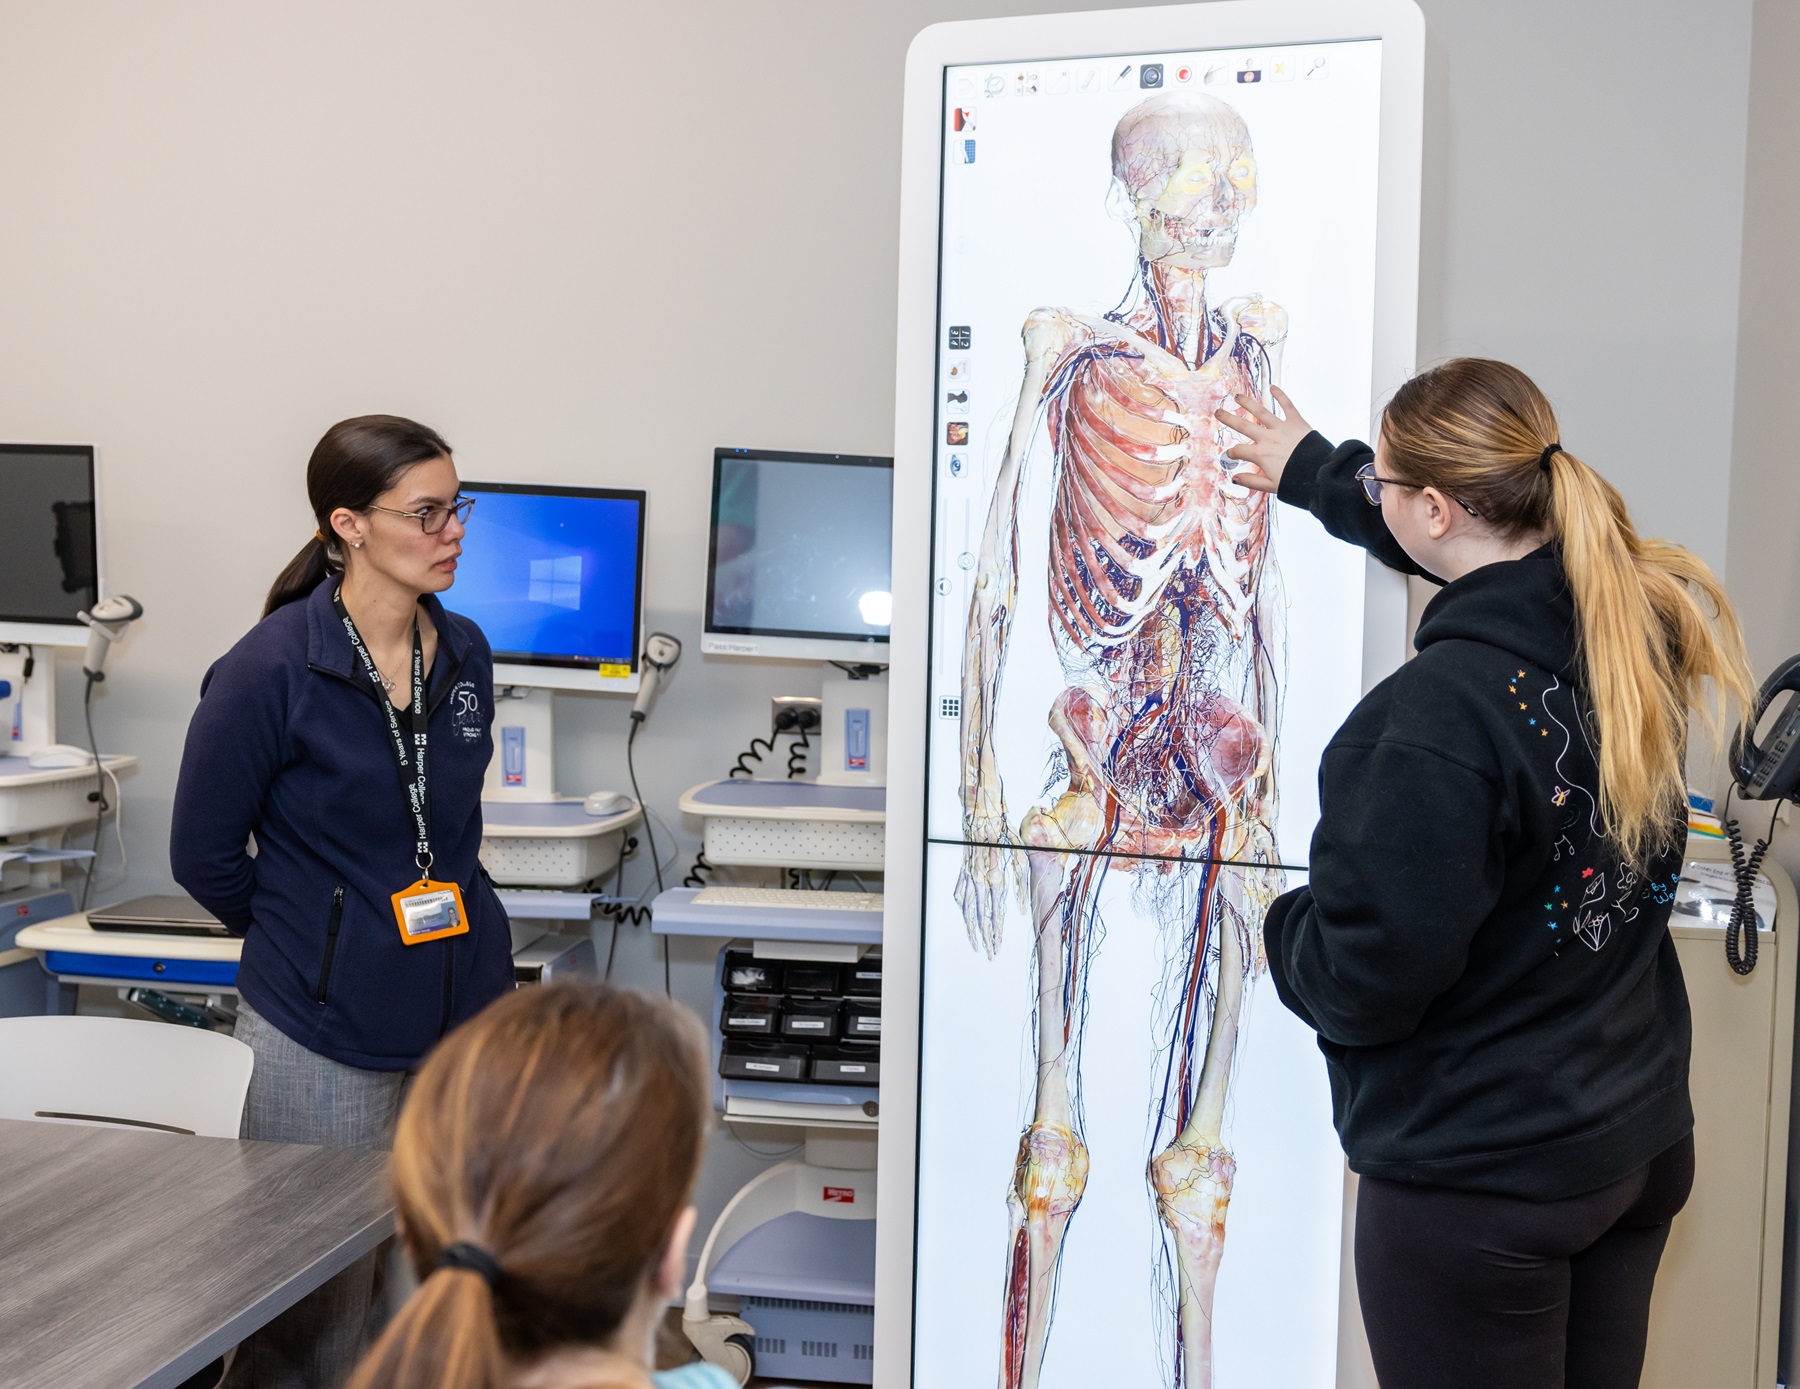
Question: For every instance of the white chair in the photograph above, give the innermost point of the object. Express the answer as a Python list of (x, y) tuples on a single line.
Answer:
[(121, 1073)]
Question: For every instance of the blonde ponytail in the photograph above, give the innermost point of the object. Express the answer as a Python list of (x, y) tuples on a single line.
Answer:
[(445, 1337), (1654, 626), (541, 1165), (1655, 631)]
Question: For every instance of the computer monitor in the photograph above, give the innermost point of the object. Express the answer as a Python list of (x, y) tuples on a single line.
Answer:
[(555, 577), (798, 558), (49, 542)]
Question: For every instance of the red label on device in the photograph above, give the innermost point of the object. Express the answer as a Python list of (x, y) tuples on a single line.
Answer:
[(844, 1194)]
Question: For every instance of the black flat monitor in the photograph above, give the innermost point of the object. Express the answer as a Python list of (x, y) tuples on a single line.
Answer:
[(799, 556), (49, 542)]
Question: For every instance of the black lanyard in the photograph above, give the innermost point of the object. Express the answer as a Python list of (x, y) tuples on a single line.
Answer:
[(412, 767)]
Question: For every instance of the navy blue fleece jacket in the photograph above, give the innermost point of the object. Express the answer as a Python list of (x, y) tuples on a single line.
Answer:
[(289, 744), (1496, 995)]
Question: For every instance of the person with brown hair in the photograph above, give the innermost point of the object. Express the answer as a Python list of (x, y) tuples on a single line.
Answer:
[(542, 1168), (348, 734), (1482, 943)]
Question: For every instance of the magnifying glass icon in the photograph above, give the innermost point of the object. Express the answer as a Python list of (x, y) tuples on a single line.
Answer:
[(1318, 65)]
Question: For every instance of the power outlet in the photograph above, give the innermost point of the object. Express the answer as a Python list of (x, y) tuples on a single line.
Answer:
[(796, 714)]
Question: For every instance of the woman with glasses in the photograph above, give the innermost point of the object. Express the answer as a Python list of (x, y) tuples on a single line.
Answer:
[(347, 736), (1482, 943)]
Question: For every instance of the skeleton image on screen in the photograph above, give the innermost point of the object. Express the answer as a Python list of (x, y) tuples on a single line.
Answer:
[(1164, 612)]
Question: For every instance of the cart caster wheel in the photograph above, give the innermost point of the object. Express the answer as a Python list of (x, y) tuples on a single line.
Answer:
[(745, 1349)]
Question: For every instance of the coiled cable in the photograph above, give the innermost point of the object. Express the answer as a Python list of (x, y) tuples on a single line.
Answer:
[(641, 915), (97, 795), (1740, 930), (744, 768), (622, 913)]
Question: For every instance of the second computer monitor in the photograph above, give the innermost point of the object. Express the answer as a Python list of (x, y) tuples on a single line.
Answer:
[(49, 542), (554, 576), (798, 563)]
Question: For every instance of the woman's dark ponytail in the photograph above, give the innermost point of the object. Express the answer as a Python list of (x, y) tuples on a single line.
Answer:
[(356, 461), (302, 575)]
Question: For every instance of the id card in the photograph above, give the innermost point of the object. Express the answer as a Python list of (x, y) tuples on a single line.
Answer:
[(430, 911)]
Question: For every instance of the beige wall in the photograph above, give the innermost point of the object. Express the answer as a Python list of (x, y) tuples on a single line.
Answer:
[(1763, 565), (1583, 213), (589, 241)]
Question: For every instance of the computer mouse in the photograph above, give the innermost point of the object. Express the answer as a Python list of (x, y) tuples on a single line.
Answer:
[(59, 755), (607, 803)]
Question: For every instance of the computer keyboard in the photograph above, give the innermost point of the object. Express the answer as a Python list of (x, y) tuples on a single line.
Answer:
[(787, 899)]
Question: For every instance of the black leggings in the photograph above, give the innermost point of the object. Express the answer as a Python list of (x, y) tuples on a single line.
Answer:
[(1477, 1291)]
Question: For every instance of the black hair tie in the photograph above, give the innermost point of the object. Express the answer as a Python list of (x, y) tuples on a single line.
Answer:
[(472, 1257), (1549, 453)]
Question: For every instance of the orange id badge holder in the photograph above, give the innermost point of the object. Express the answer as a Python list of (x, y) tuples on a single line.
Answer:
[(429, 911)]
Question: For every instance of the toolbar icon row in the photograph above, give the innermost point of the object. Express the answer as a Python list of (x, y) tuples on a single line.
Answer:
[(1246, 70)]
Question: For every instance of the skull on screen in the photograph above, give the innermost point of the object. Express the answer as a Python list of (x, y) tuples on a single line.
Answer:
[(1186, 164)]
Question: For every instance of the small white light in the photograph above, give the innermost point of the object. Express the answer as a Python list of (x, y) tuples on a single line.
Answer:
[(877, 608)]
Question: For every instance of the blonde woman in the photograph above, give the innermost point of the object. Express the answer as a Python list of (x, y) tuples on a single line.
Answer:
[(1482, 943), (542, 1168)]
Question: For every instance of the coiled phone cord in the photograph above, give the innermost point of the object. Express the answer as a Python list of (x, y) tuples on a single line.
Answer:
[(1740, 930), (797, 755), (743, 768), (697, 874)]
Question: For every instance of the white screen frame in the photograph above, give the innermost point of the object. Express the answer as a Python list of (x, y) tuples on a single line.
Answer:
[(508, 673), (1400, 26)]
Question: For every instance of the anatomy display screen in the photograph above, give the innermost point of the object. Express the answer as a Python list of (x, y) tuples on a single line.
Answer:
[(1127, 1171), (552, 575), (801, 546)]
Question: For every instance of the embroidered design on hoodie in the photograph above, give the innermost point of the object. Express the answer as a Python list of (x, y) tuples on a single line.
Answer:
[(1609, 892)]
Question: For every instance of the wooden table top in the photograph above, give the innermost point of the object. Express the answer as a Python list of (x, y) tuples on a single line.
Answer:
[(130, 1260)]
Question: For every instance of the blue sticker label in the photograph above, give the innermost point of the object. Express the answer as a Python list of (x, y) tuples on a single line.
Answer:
[(856, 740)]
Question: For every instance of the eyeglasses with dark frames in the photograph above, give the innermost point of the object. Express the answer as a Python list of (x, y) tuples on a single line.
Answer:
[(1372, 485), (433, 519)]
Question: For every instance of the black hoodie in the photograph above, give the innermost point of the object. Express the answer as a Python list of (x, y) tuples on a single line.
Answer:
[(1497, 997)]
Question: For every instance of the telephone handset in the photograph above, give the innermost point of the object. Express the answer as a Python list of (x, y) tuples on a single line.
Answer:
[(1771, 772), (1765, 771)]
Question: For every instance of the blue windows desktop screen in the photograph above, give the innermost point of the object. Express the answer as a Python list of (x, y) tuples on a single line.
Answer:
[(552, 575)]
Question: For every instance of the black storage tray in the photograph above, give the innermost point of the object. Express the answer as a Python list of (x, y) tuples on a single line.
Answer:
[(808, 977), (862, 1019), (849, 1063), (742, 1059), (750, 1015), (864, 977), (745, 974), (810, 1019)]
